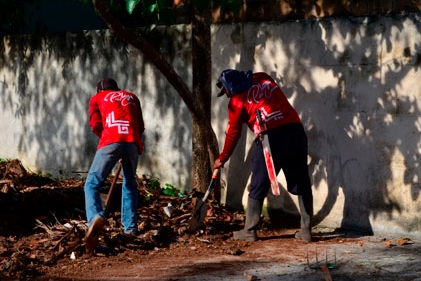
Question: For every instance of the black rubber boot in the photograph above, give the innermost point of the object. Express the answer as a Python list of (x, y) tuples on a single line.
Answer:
[(254, 208), (306, 211)]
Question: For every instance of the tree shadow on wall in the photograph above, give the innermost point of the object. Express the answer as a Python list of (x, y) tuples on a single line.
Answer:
[(57, 76), (359, 126)]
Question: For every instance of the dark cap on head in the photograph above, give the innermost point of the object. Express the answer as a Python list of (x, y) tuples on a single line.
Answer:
[(107, 84), (232, 81)]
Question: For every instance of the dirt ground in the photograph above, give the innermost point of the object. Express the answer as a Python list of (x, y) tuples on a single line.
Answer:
[(277, 255), (42, 230)]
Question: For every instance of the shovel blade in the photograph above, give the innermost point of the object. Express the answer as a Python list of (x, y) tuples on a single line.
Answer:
[(199, 214), (200, 208)]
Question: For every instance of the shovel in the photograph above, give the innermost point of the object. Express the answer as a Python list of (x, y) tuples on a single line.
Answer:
[(200, 209), (107, 207)]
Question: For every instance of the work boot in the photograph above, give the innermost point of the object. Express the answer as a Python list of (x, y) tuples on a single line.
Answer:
[(306, 211), (91, 238), (254, 208)]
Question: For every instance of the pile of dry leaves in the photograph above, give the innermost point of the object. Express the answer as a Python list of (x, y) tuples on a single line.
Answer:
[(42, 220)]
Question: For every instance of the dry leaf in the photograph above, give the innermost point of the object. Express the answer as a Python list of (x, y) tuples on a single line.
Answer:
[(388, 243), (404, 241)]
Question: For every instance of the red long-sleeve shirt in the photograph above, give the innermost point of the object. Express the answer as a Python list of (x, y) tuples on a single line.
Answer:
[(116, 116), (265, 95)]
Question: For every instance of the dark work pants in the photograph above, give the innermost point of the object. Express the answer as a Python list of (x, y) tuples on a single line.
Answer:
[(289, 148)]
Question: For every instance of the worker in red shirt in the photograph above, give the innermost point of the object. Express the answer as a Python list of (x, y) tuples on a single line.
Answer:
[(249, 92), (115, 116)]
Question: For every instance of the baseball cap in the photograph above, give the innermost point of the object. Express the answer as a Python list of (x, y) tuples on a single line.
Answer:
[(107, 84)]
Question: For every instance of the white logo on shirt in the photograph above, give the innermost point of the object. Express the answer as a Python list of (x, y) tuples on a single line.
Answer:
[(258, 91), (276, 115), (124, 99), (122, 125)]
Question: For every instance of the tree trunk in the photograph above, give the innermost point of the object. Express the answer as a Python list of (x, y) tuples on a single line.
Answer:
[(205, 145)]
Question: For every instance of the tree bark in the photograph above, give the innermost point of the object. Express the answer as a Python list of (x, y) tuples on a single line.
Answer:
[(205, 145)]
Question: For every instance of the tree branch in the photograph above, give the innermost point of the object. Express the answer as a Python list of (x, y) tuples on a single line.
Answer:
[(150, 53)]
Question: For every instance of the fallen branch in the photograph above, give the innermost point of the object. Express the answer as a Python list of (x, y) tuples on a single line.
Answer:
[(41, 225)]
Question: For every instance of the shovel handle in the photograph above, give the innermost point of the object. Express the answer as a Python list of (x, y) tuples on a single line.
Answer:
[(214, 176), (259, 117), (262, 124), (111, 191)]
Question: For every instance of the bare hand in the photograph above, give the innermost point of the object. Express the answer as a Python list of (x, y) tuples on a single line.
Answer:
[(218, 164)]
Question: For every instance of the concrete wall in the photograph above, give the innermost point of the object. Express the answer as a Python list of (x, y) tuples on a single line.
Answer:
[(353, 81), (46, 84)]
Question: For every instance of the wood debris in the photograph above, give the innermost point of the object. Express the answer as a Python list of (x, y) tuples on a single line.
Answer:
[(43, 220)]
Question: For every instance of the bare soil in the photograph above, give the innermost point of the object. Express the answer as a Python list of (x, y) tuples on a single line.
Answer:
[(277, 255), (42, 230)]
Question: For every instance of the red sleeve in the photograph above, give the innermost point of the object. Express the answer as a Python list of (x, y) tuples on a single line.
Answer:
[(95, 118), (237, 116)]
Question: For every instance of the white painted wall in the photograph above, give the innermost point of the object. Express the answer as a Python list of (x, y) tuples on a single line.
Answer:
[(355, 85), (353, 81)]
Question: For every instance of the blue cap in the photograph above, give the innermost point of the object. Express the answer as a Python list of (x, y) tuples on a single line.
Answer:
[(232, 81)]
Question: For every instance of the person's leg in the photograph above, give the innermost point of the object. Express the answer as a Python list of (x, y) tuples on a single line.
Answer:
[(298, 181), (253, 211), (305, 203), (101, 166), (258, 191), (130, 193), (104, 160)]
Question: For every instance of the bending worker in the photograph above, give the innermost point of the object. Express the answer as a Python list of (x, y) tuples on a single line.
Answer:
[(115, 116), (249, 92)]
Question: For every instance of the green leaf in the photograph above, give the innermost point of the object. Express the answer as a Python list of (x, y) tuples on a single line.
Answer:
[(149, 7), (130, 5), (171, 190), (152, 8)]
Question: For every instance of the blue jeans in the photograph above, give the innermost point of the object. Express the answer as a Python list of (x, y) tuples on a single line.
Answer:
[(104, 161)]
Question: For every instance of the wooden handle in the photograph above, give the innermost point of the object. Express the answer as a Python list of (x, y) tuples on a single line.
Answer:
[(111, 191)]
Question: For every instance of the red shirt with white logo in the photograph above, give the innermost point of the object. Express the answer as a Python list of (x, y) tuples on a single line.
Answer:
[(116, 116), (265, 95)]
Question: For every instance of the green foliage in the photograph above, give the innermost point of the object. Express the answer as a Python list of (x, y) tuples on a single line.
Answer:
[(160, 11), (130, 5), (152, 11), (153, 187), (153, 184), (170, 190), (15, 18)]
